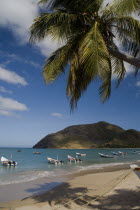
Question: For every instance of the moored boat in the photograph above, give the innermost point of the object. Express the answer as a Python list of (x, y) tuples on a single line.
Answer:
[(6, 162), (54, 161), (79, 154), (107, 156), (122, 153), (71, 159), (36, 152)]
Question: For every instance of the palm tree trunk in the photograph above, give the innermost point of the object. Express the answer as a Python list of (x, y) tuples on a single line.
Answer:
[(125, 57)]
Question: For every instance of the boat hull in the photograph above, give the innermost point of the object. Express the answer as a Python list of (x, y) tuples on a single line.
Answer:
[(107, 156), (55, 162), (7, 164)]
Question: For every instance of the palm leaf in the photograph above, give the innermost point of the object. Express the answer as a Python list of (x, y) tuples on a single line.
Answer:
[(105, 89), (74, 5), (91, 61), (56, 63), (60, 25), (122, 7), (127, 30), (136, 71), (118, 69)]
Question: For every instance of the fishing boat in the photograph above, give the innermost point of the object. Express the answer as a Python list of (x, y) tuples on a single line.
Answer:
[(54, 161), (6, 162), (136, 169), (107, 156), (37, 153), (134, 152), (71, 159), (122, 153), (79, 154)]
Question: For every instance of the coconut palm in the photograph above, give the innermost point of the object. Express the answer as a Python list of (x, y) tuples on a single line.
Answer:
[(89, 32)]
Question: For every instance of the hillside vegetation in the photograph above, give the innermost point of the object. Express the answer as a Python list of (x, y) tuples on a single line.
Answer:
[(97, 135)]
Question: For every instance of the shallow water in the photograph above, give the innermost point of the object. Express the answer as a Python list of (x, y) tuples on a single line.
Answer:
[(32, 166)]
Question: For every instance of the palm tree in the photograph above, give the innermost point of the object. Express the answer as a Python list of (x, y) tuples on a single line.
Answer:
[(89, 32)]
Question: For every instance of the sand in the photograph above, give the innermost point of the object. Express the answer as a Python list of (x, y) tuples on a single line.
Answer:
[(119, 189)]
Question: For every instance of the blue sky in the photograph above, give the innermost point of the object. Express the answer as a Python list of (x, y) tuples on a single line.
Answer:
[(30, 109)]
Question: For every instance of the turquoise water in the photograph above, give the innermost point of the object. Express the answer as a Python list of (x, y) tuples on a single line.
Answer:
[(32, 166)]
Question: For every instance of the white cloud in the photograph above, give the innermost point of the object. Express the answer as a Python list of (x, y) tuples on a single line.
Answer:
[(138, 83), (11, 77), (8, 106), (55, 114), (47, 46), (11, 57), (18, 15), (6, 113), (3, 90)]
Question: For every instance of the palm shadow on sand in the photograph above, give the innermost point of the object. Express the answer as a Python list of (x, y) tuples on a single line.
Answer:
[(62, 195)]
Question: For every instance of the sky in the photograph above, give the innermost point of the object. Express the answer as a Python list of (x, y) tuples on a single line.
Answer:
[(30, 109)]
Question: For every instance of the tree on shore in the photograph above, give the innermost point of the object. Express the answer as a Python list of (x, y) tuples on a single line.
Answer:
[(89, 32)]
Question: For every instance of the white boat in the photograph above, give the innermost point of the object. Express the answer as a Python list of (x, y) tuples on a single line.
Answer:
[(54, 161), (37, 153), (79, 154), (134, 152), (122, 153), (71, 159), (136, 169), (7, 162), (107, 156)]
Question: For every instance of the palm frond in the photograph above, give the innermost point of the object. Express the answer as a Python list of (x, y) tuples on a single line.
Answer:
[(136, 71), (105, 89), (127, 30), (122, 7), (76, 80), (60, 25), (74, 5), (95, 52), (56, 63), (118, 69), (91, 61)]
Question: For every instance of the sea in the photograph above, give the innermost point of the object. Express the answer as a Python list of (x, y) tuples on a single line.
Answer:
[(34, 166)]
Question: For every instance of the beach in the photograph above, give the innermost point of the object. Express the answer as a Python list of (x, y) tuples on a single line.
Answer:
[(108, 188)]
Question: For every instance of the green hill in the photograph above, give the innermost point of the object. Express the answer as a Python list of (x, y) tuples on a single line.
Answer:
[(97, 135)]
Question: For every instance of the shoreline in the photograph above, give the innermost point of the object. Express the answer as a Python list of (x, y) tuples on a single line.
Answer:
[(47, 189), (45, 184)]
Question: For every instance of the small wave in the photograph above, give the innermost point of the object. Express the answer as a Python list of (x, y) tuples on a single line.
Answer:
[(30, 176), (101, 166)]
